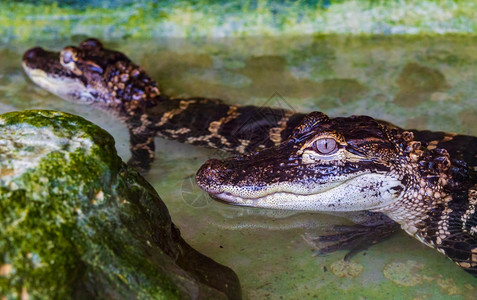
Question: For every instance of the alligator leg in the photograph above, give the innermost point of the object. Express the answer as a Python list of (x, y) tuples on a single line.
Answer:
[(370, 229), (142, 148)]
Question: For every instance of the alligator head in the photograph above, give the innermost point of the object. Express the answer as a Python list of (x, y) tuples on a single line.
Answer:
[(91, 74), (359, 163), (341, 164)]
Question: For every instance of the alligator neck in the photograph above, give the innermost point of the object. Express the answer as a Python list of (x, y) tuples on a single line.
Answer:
[(414, 209), (212, 123), (439, 206)]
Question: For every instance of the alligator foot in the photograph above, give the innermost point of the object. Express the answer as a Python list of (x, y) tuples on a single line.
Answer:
[(354, 238)]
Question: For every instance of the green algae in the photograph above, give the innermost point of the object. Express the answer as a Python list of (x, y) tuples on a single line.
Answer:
[(342, 268), (149, 19), (77, 222), (404, 273)]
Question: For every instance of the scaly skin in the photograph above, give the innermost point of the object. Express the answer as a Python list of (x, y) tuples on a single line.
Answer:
[(428, 186)]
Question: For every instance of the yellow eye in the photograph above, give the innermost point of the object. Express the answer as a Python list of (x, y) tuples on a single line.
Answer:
[(68, 55), (325, 146), (69, 58)]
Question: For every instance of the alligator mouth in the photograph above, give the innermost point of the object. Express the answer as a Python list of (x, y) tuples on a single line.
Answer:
[(362, 192), (229, 198), (46, 79), (66, 87), (225, 193), (253, 199)]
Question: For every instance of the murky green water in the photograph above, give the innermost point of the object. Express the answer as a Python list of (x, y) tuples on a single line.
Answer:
[(424, 83)]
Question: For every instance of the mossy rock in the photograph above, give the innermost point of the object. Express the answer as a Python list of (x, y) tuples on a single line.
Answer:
[(76, 222)]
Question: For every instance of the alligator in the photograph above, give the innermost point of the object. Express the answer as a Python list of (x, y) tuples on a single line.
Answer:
[(425, 181), (109, 80)]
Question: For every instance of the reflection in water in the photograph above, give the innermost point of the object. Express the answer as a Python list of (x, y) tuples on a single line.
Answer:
[(432, 82), (417, 84)]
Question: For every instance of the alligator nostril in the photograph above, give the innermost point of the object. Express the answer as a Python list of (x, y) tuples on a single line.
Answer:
[(215, 164), (32, 53), (210, 174)]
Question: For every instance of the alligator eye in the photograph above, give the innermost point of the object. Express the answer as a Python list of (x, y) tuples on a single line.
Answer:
[(325, 146), (68, 55), (68, 58)]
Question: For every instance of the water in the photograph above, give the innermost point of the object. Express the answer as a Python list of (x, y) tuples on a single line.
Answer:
[(418, 82)]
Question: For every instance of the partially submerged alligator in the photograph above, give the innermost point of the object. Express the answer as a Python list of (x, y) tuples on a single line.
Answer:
[(107, 79), (425, 181)]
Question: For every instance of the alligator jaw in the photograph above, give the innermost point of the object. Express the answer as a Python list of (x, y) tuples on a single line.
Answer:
[(64, 87), (364, 192)]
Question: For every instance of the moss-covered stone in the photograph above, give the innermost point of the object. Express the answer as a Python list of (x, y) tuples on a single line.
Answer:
[(76, 222)]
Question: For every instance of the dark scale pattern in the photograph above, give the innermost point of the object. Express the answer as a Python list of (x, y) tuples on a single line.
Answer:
[(461, 243)]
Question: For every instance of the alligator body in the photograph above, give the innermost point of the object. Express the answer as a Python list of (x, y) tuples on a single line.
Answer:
[(425, 181)]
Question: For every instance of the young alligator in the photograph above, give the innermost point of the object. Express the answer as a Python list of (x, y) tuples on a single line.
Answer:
[(425, 181), (109, 80)]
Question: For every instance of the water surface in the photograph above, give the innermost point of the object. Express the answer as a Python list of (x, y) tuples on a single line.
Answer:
[(418, 82)]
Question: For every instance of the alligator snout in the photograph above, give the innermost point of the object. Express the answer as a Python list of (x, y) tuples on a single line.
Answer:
[(33, 53), (211, 175)]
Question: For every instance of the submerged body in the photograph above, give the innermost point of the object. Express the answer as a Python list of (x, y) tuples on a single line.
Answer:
[(427, 185)]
